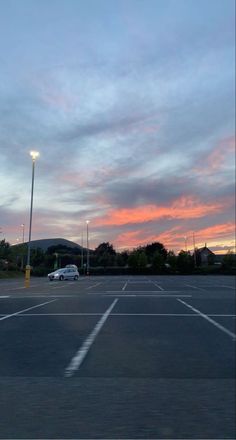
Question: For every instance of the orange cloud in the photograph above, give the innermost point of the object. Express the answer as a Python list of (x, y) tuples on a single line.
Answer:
[(182, 208), (174, 238), (217, 231), (130, 239)]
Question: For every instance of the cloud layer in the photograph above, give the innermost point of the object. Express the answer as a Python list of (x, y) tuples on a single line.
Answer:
[(131, 105)]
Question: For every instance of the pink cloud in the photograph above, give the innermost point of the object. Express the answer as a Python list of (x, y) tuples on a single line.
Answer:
[(216, 159), (186, 207), (174, 238)]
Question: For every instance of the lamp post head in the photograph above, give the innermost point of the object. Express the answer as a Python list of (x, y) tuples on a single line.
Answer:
[(34, 155), (87, 221)]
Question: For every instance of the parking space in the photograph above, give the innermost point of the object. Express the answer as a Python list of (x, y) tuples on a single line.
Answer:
[(159, 347), (41, 346), (159, 343)]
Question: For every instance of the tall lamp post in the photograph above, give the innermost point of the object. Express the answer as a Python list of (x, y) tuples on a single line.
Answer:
[(23, 232), (82, 253), (87, 265), (23, 240), (194, 251), (185, 241), (34, 155)]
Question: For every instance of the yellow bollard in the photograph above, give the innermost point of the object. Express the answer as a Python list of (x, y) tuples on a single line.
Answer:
[(27, 276)]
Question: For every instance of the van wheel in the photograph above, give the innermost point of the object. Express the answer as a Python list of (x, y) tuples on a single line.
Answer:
[(76, 277), (61, 278)]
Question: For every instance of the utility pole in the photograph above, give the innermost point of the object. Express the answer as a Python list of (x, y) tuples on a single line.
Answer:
[(87, 266), (82, 253), (194, 251), (185, 240)]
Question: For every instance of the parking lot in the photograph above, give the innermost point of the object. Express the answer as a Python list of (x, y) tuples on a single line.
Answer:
[(118, 358)]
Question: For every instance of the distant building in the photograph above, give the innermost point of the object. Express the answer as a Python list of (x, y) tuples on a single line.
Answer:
[(204, 256)]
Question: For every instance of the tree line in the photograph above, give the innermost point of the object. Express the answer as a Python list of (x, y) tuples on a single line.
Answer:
[(152, 258)]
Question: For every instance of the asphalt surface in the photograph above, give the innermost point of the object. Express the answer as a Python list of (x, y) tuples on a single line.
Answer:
[(118, 358)]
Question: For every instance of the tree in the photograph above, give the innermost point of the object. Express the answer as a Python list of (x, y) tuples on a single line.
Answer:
[(185, 262), (229, 260), (158, 262), (105, 254), (137, 260), (171, 259), (105, 247), (151, 249), (5, 249), (122, 258), (37, 257)]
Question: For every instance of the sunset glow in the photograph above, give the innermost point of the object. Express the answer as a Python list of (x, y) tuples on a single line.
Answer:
[(183, 208), (134, 122)]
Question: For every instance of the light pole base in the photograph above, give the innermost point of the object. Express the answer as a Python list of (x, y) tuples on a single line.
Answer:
[(27, 276)]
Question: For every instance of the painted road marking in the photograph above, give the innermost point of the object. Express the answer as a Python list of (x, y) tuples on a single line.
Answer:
[(25, 310), (4, 296), (123, 288), (142, 291), (82, 352), (94, 285), (39, 295), (121, 314), (219, 326), (124, 295), (159, 287), (194, 287), (23, 287)]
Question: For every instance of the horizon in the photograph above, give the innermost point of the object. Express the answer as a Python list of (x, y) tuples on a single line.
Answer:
[(119, 250)]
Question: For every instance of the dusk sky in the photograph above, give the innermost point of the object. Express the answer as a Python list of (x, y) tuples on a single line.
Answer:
[(131, 106)]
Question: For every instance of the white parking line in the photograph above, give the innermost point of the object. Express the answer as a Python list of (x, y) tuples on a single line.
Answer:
[(159, 287), (123, 288), (142, 291), (229, 287), (25, 310), (194, 287), (5, 296), (194, 315), (125, 295), (39, 295), (216, 324), (22, 287), (94, 285), (82, 352)]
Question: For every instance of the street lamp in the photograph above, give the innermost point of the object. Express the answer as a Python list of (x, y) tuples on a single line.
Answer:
[(23, 232), (194, 251), (87, 266), (185, 240), (34, 155), (82, 252), (23, 240)]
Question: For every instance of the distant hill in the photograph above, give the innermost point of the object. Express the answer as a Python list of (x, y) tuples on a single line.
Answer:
[(45, 243)]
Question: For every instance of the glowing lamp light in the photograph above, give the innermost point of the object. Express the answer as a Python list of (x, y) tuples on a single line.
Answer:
[(34, 155)]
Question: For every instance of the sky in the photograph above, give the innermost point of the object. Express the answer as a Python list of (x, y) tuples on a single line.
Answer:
[(131, 106)]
